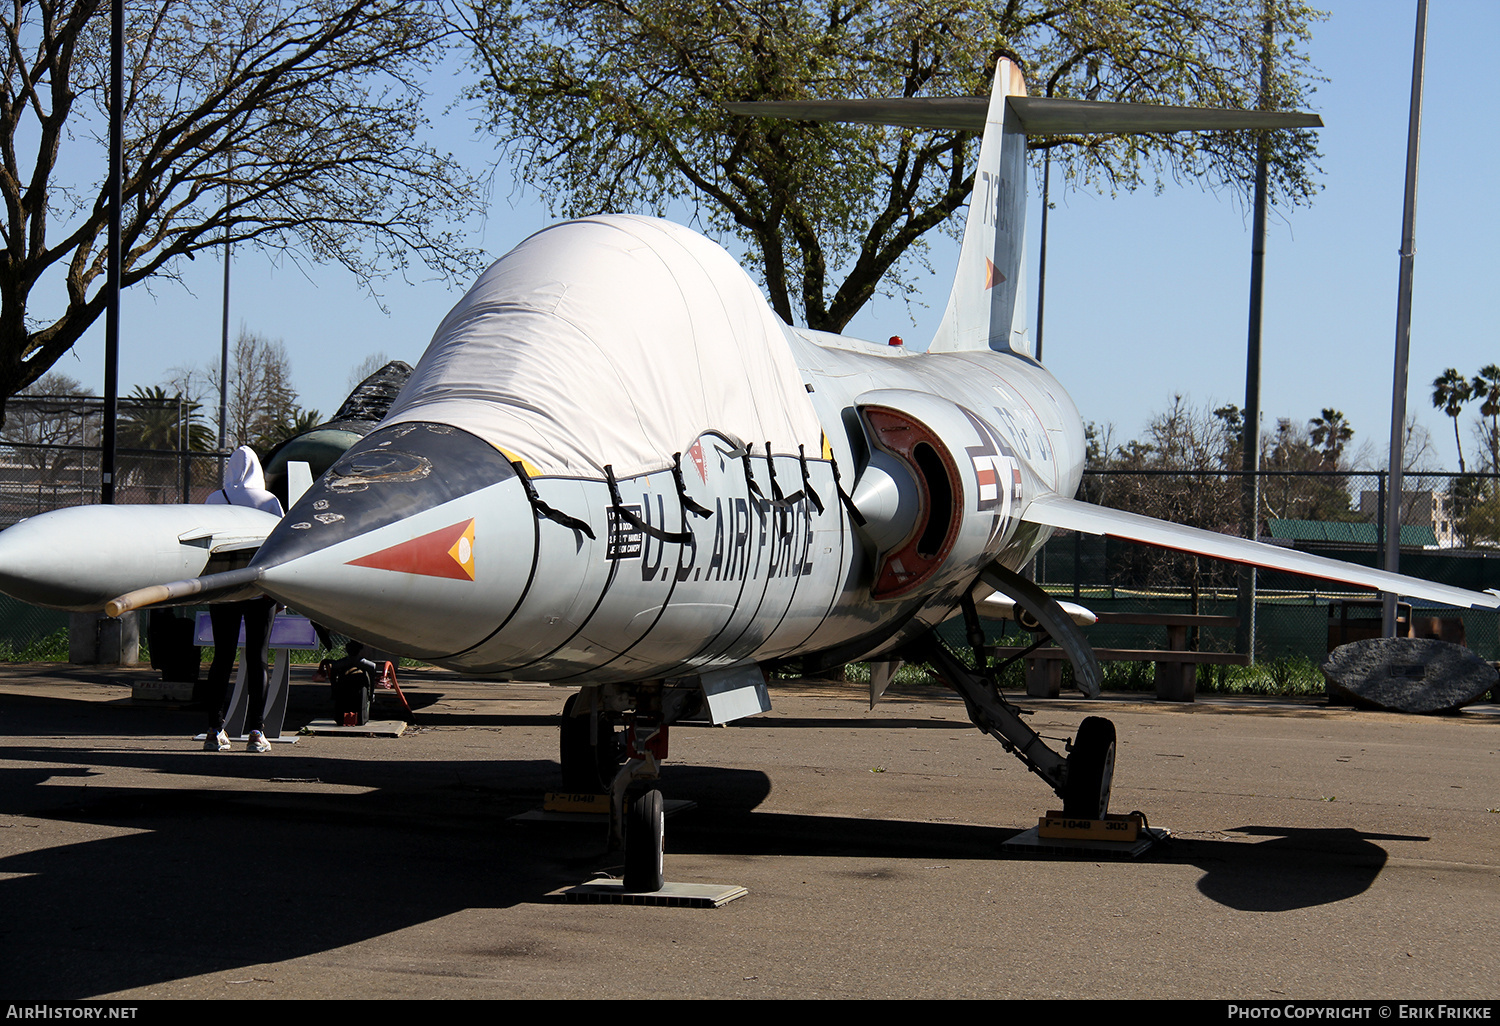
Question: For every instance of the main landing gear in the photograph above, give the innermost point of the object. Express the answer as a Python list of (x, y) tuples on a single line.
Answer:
[(1091, 770), (612, 739), (590, 748), (1082, 779)]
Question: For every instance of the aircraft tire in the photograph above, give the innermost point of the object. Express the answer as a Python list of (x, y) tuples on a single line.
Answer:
[(644, 843), (587, 767), (1091, 770)]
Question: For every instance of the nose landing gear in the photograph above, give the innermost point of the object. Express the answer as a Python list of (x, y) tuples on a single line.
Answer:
[(645, 843), (596, 758)]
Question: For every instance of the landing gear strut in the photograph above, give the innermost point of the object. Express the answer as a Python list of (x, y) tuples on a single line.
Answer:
[(1082, 779)]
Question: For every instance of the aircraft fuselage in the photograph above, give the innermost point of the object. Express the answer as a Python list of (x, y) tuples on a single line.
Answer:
[(422, 538)]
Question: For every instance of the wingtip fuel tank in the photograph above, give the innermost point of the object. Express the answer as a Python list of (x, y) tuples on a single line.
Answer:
[(81, 557)]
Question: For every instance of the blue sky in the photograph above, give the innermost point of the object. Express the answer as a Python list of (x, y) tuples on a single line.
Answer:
[(1147, 294)]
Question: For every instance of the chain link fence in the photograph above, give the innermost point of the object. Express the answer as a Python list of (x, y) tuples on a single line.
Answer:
[(50, 458), (1450, 534), (50, 454)]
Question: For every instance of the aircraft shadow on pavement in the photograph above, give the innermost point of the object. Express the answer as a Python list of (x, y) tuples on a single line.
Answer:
[(1296, 868), (775, 722), (209, 879), (54, 716)]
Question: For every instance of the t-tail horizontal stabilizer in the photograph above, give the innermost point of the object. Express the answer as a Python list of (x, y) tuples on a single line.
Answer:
[(1072, 515), (1038, 115)]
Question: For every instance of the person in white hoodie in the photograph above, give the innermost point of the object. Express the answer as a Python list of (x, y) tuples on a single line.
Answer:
[(244, 485)]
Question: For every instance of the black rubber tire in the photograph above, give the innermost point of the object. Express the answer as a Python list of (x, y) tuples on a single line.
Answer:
[(1091, 770), (587, 768), (645, 836)]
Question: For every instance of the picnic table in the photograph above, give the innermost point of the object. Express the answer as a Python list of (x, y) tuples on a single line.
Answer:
[(1176, 665)]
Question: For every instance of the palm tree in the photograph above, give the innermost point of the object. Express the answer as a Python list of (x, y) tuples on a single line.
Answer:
[(154, 428), (1330, 432), (1486, 386), (271, 432), (1450, 391)]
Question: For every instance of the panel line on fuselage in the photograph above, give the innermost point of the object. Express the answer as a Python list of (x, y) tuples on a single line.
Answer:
[(536, 548), (609, 579), (667, 601), (739, 557), (799, 558)]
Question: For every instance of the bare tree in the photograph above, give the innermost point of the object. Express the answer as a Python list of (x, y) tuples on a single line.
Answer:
[(262, 400), (1301, 453), (1181, 474), (289, 126), (1418, 451), (369, 365)]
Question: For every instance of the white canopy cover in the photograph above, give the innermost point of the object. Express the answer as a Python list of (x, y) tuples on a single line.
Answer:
[(612, 340)]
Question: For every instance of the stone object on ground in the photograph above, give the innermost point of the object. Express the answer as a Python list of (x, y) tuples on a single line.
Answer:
[(1412, 675)]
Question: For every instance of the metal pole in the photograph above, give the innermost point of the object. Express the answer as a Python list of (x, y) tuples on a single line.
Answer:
[(1250, 487), (1403, 324), (1380, 512), (224, 337), (112, 286), (1041, 283), (184, 464)]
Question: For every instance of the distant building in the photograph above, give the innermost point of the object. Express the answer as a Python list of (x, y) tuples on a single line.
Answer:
[(1420, 509), (1318, 532)]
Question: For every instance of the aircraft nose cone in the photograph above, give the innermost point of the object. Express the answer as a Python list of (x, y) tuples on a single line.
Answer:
[(413, 542)]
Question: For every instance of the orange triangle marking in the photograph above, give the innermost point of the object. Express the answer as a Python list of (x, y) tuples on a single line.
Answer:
[(463, 550), (448, 552), (992, 275)]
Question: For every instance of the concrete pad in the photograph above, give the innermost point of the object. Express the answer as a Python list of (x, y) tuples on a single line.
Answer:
[(1031, 844)]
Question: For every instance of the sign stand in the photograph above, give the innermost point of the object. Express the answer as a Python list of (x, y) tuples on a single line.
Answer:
[(287, 633)]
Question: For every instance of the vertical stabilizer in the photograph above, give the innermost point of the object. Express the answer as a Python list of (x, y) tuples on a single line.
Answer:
[(987, 307)]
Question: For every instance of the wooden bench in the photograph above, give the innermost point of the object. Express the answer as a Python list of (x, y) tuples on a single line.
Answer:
[(1176, 665)]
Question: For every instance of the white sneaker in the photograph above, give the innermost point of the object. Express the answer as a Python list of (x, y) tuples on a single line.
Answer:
[(258, 742), (216, 742)]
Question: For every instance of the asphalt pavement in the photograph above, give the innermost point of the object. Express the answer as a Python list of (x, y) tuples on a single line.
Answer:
[(1319, 853)]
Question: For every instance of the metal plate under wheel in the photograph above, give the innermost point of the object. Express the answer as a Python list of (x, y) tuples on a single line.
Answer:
[(1028, 843), (672, 895), (370, 728)]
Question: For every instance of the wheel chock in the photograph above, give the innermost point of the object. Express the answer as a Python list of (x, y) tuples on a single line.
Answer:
[(1057, 826)]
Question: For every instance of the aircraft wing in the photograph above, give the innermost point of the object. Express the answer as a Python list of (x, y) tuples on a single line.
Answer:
[(1073, 515)]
